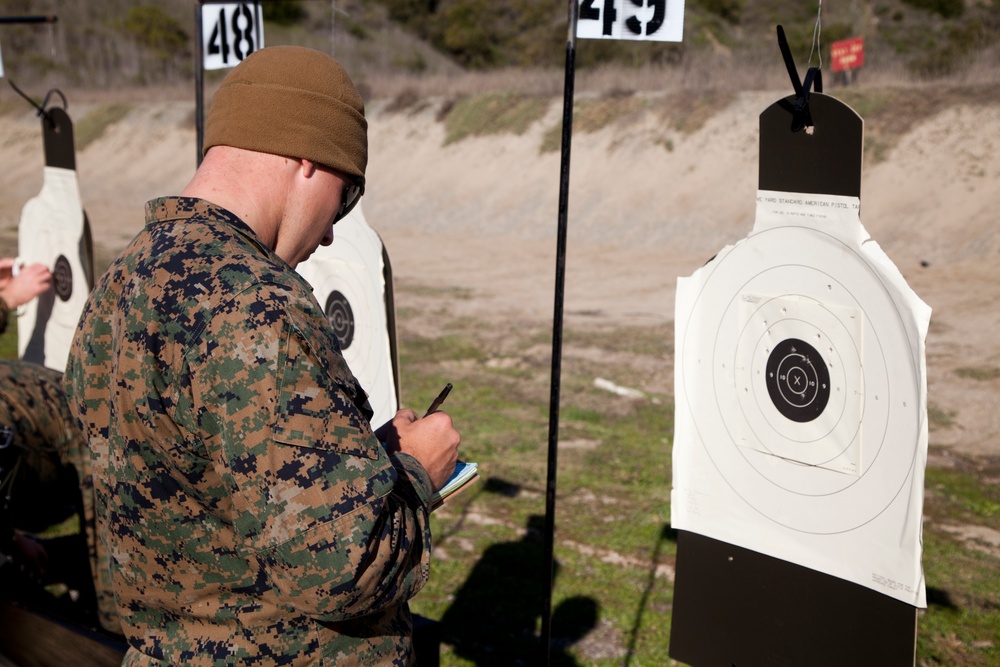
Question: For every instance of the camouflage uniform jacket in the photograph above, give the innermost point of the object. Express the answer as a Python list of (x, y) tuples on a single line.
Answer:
[(251, 516), (33, 407)]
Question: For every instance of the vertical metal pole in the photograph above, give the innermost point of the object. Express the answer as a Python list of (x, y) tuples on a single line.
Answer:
[(557, 331), (333, 28), (199, 83)]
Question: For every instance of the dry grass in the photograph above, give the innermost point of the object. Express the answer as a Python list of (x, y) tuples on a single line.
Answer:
[(700, 71)]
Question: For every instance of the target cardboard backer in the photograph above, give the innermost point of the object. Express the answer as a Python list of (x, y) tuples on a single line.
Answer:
[(801, 419), (349, 282)]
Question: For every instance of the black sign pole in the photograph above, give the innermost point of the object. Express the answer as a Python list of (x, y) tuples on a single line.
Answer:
[(48, 18), (557, 331), (199, 82)]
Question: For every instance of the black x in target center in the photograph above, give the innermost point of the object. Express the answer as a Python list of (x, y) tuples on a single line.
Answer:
[(798, 380)]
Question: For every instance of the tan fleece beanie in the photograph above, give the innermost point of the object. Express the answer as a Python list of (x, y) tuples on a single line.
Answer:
[(292, 101)]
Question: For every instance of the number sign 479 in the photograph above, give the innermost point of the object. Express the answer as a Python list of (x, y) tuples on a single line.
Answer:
[(230, 32), (653, 20)]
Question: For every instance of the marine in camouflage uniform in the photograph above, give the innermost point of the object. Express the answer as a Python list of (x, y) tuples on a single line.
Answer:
[(38, 437), (251, 515)]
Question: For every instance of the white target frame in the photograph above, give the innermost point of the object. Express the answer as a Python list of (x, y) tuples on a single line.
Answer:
[(840, 493), (832, 334), (353, 265)]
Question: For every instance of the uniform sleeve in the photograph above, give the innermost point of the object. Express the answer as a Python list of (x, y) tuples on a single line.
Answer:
[(340, 527), (4, 315)]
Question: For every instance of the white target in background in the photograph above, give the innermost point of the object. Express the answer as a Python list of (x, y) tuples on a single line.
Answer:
[(349, 282), (52, 231)]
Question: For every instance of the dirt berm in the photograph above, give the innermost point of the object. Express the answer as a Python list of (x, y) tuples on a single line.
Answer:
[(649, 202)]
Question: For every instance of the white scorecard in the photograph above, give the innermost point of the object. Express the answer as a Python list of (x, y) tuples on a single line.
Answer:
[(801, 419), (350, 283)]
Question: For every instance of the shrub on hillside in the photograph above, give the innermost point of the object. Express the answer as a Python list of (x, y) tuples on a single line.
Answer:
[(729, 10), (946, 8), (284, 12), (155, 28)]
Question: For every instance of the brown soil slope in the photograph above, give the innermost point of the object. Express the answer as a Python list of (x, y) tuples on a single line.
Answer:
[(648, 203)]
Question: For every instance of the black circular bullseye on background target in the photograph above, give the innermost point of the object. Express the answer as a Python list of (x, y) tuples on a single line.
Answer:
[(341, 317), (797, 380), (62, 278)]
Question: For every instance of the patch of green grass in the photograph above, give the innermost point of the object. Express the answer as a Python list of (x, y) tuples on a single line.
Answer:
[(656, 341), (958, 494), (91, 127), (961, 625), (612, 505), (613, 509), (436, 350), (8, 341), (491, 114), (938, 417), (452, 293), (688, 112), (593, 115), (982, 373)]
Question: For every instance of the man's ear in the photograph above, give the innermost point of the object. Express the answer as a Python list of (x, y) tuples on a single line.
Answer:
[(308, 167)]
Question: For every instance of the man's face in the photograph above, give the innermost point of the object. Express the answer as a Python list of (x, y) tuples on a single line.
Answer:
[(315, 211)]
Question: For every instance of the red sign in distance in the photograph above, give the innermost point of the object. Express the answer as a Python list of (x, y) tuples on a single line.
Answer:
[(848, 54)]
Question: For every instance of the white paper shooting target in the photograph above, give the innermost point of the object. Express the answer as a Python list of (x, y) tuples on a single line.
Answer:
[(51, 232), (800, 397), (349, 282)]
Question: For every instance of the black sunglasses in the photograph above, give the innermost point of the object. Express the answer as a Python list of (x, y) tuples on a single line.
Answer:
[(348, 199)]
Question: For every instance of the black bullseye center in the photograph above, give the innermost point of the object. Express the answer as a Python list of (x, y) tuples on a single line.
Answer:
[(798, 380)]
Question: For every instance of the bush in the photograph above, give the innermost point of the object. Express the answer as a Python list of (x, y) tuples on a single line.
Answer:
[(728, 10), (155, 28), (946, 8), (284, 12)]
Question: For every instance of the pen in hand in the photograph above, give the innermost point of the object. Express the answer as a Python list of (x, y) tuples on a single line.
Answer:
[(439, 400)]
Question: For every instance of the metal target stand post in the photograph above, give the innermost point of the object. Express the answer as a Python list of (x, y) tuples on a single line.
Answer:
[(47, 18), (254, 17), (557, 334), (640, 20)]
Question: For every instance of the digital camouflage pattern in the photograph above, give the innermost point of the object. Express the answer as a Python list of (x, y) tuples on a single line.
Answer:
[(44, 435), (251, 515)]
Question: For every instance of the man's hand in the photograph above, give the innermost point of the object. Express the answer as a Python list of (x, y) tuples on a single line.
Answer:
[(433, 441), (30, 281)]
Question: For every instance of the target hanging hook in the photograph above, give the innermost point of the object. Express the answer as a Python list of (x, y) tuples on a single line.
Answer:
[(801, 118), (41, 108), (816, 42)]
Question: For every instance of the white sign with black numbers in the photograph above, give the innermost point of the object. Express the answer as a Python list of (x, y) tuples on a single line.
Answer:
[(643, 20), (230, 32)]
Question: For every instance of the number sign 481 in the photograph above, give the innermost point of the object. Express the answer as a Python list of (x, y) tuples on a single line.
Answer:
[(230, 32), (652, 20)]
